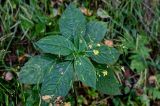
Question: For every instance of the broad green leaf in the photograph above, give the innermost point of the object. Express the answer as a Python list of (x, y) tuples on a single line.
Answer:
[(85, 71), (138, 64), (80, 43), (154, 92), (34, 70), (56, 45), (107, 83), (95, 31), (72, 22), (32, 96), (70, 57), (58, 82), (104, 55)]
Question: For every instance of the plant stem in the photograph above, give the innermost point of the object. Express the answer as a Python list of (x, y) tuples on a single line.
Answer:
[(75, 94)]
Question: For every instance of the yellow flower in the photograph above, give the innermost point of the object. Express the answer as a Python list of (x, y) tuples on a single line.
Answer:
[(90, 46), (67, 104), (105, 73), (96, 52), (98, 45)]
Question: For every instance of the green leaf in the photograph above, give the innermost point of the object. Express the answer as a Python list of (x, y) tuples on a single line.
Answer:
[(72, 22), (34, 70), (155, 93), (32, 96), (107, 83), (58, 45), (138, 64), (26, 23), (58, 82), (80, 43), (40, 28), (85, 71), (95, 31), (104, 55), (70, 57)]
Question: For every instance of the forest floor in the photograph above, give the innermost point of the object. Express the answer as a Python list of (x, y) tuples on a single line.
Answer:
[(133, 28)]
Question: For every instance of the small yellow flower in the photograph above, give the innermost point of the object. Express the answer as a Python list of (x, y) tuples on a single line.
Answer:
[(98, 45), (96, 52), (50, 23), (67, 104), (90, 46), (105, 73)]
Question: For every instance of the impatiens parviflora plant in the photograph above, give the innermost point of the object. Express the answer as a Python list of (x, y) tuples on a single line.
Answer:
[(78, 45)]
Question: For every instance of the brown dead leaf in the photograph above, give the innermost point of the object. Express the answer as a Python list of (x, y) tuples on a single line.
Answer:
[(152, 80), (47, 98), (108, 43), (139, 91), (86, 11), (22, 58)]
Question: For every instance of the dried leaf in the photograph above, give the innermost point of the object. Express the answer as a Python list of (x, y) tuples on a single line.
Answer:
[(22, 58), (108, 43), (152, 80), (86, 11), (102, 13), (47, 98)]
